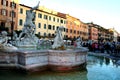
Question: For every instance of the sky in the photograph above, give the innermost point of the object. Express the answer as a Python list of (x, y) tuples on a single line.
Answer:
[(105, 13)]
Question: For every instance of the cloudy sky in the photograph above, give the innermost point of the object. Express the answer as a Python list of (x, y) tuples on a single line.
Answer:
[(102, 12)]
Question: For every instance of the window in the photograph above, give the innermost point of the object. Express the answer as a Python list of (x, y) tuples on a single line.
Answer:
[(58, 20), (44, 26), (12, 5), (49, 35), (14, 14), (21, 10), (61, 21), (39, 15), (53, 35), (53, 27), (66, 30), (75, 31), (49, 17), (39, 25), (49, 27), (80, 32), (20, 22), (4, 2), (45, 16), (54, 19), (57, 27), (4, 12), (39, 33), (44, 34)]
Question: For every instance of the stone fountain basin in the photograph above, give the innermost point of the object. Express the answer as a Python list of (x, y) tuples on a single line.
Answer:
[(55, 60)]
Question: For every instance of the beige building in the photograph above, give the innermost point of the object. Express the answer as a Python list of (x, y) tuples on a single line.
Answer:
[(46, 21)]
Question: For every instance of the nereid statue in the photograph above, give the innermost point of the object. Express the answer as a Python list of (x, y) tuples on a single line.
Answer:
[(58, 40)]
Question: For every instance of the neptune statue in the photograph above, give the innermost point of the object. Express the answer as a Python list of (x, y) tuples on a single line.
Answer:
[(27, 37)]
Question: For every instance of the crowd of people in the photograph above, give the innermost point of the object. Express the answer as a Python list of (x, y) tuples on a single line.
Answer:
[(112, 48)]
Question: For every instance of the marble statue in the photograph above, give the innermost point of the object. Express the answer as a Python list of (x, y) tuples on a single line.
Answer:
[(4, 45), (29, 27), (58, 40), (78, 42), (27, 37)]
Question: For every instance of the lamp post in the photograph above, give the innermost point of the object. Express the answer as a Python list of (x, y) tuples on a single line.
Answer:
[(12, 24)]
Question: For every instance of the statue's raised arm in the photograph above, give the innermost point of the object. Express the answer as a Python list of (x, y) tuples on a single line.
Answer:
[(34, 8)]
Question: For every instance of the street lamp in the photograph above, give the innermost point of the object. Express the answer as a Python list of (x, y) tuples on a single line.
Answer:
[(12, 24)]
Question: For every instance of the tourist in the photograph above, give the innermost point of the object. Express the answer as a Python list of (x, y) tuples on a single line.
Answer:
[(101, 47), (107, 47)]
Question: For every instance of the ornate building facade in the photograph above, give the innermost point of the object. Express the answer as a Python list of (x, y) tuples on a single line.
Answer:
[(6, 8)]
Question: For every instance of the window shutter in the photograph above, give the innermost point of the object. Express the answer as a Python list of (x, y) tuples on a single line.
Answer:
[(15, 5), (7, 3), (10, 14)]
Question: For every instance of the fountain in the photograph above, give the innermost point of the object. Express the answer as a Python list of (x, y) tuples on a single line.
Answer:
[(23, 52)]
